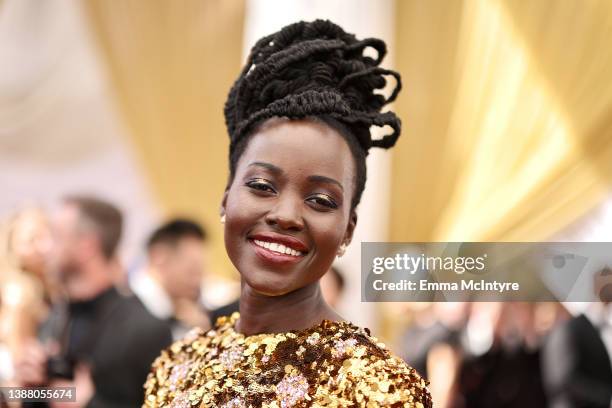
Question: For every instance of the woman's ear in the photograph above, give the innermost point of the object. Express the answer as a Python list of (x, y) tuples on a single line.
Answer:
[(223, 203), (350, 229)]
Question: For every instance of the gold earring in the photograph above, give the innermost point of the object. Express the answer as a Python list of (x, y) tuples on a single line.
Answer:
[(223, 219), (341, 250)]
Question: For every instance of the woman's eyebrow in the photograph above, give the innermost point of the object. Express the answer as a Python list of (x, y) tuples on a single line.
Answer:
[(268, 166), (324, 179), (313, 179)]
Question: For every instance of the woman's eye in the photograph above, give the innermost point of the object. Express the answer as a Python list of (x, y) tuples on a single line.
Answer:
[(261, 185), (324, 200)]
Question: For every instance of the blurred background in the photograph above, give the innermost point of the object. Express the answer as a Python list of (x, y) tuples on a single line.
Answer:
[(507, 136)]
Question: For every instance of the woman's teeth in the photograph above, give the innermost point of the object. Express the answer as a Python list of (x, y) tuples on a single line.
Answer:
[(278, 248)]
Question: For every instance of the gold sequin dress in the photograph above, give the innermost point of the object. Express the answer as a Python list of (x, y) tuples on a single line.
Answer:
[(333, 364)]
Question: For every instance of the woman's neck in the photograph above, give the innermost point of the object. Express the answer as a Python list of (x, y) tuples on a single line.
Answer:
[(297, 310)]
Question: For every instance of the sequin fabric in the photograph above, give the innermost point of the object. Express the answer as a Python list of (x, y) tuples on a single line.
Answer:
[(334, 364)]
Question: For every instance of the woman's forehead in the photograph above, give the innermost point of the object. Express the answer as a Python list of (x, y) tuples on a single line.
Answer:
[(304, 144)]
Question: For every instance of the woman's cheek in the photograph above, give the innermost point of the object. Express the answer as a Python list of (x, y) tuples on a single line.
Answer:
[(236, 222), (241, 209), (330, 233)]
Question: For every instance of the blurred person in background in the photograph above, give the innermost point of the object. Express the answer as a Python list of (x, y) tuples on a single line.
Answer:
[(436, 323), (98, 340), (171, 285), (501, 367), (576, 360), (26, 291), (432, 345)]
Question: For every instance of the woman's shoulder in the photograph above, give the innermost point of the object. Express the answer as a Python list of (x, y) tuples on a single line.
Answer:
[(186, 348), (372, 373), (175, 361), (21, 290)]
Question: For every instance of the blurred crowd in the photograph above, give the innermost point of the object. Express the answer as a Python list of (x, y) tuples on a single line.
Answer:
[(71, 316), (513, 354)]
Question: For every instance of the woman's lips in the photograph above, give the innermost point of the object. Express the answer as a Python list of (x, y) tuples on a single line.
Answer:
[(286, 240), (272, 257)]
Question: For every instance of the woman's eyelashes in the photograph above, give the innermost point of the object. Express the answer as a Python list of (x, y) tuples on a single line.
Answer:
[(318, 201), (261, 184), (323, 200)]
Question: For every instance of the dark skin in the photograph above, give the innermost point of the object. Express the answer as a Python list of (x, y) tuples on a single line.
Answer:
[(295, 182)]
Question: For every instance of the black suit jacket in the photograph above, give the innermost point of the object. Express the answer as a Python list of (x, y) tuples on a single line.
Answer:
[(129, 342), (576, 366), (118, 338)]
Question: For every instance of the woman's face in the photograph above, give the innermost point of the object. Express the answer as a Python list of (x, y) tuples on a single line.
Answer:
[(288, 208)]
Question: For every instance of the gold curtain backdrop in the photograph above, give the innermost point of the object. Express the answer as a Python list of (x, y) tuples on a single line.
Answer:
[(507, 110), (172, 64), (507, 118)]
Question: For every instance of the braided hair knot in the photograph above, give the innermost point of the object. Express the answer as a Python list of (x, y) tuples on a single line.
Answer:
[(314, 69)]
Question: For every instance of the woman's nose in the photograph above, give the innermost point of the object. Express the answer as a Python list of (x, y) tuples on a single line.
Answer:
[(286, 214)]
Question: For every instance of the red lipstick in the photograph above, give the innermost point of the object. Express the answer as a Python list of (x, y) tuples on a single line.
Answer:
[(274, 257), (286, 240)]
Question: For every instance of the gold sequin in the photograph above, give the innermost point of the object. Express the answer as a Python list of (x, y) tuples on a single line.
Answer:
[(334, 364)]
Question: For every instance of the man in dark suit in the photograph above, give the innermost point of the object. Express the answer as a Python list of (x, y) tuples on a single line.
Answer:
[(170, 285), (577, 356), (99, 341)]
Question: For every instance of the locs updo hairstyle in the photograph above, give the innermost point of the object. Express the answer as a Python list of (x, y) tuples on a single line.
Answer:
[(314, 70)]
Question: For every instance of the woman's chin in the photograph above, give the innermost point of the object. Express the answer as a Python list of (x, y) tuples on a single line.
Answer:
[(269, 286)]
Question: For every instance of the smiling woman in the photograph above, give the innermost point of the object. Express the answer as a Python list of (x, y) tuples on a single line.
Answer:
[(293, 186), (299, 120)]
